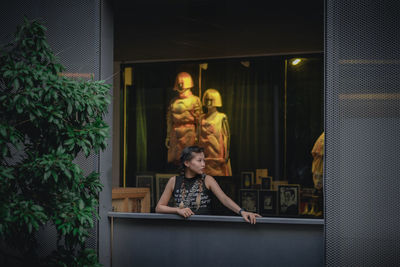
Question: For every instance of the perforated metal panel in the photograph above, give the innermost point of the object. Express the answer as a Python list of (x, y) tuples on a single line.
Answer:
[(73, 33), (362, 163)]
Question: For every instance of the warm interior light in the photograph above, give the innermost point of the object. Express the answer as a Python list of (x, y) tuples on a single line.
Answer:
[(296, 61)]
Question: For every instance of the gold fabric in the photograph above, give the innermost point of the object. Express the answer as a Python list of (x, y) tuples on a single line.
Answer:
[(317, 167), (182, 120), (214, 138)]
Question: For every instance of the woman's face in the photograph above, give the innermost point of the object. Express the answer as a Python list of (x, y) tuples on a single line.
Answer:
[(197, 163)]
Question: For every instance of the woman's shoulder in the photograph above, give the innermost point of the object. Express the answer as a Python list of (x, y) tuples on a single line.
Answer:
[(172, 182), (208, 180), (173, 179), (207, 177)]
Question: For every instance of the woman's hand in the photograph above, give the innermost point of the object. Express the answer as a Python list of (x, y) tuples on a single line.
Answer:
[(185, 212), (250, 217)]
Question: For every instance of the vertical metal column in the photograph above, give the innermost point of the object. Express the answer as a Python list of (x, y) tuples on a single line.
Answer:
[(105, 157), (362, 164)]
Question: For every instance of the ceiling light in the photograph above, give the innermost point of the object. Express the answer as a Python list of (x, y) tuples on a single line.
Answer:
[(296, 61)]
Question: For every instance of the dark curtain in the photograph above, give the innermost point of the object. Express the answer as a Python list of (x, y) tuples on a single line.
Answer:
[(246, 89), (304, 117)]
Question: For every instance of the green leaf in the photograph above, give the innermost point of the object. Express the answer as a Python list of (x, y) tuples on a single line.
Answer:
[(8, 74), (67, 173), (4, 151), (77, 169), (25, 100), (19, 109), (16, 84), (46, 175), (69, 108), (35, 225), (29, 81), (55, 176), (85, 151), (81, 204), (69, 142), (3, 131)]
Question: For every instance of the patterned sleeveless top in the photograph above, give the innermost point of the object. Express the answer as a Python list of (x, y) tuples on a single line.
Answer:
[(192, 189)]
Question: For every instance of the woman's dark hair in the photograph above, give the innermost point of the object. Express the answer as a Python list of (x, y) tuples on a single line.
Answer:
[(187, 154)]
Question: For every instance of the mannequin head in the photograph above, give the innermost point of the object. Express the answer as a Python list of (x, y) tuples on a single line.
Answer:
[(212, 98), (183, 82)]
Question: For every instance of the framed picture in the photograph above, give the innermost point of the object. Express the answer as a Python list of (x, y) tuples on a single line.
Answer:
[(260, 173), (247, 180), (248, 199), (288, 199), (161, 181), (267, 202), (146, 180), (266, 183)]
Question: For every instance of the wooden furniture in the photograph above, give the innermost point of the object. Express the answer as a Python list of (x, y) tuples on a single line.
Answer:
[(131, 199)]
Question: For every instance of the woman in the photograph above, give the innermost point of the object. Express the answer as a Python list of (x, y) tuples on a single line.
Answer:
[(192, 190)]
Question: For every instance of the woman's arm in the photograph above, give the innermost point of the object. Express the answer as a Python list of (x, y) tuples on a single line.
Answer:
[(228, 202), (162, 205)]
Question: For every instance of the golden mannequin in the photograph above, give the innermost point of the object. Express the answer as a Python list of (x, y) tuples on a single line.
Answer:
[(215, 136), (182, 118), (318, 161)]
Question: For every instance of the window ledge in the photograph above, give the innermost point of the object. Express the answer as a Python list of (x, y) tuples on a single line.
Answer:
[(213, 218)]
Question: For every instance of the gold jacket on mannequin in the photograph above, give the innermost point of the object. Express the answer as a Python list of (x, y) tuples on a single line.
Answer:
[(317, 167), (215, 136), (182, 118)]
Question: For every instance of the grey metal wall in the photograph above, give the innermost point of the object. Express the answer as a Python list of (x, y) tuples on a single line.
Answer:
[(81, 34), (179, 242), (362, 133)]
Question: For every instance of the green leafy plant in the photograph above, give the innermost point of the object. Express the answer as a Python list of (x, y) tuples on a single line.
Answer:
[(46, 119)]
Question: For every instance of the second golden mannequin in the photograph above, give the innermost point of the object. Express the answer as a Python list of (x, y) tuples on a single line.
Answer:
[(215, 136)]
